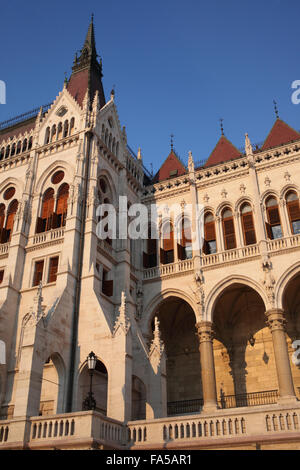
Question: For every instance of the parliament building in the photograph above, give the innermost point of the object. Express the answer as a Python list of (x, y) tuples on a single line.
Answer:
[(158, 343)]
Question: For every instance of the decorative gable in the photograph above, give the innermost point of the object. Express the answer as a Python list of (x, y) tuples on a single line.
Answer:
[(223, 152), (171, 168)]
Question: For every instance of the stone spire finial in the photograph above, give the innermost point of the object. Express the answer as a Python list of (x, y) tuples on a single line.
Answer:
[(122, 321), (191, 165), (157, 346), (221, 124), (276, 109), (139, 155), (37, 310), (248, 146)]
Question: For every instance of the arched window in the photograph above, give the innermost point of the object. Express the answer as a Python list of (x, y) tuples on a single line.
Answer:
[(30, 143), (292, 203), (13, 150), (59, 131), (61, 206), (228, 229), (248, 224), (2, 215), (47, 136), (66, 128), (44, 223), (7, 151), (167, 250), (184, 247), (209, 244), (2, 153), (72, 123), (11, 212), (273, 224), (105, 196), (19, 147), (24, 148), (53, 133)]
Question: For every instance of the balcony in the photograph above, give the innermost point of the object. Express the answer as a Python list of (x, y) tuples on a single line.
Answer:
[(169, 269), (54, 235)]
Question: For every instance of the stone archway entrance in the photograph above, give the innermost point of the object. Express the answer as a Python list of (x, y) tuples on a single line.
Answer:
[(178, 332), (243, 349)]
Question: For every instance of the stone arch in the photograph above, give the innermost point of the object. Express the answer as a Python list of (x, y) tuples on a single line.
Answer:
[(283, 282), (45, 177), (107, 176), (17, 183), (222, 206), (217, 291), (100, 385), (154, 304), (241, 201), (289, 187), (267, 193), (53, 387)]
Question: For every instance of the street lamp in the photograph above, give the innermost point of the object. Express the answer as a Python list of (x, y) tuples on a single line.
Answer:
[(90, 403)]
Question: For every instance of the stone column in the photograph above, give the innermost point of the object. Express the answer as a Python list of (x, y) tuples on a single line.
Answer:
[(205, 334), (276, 322)]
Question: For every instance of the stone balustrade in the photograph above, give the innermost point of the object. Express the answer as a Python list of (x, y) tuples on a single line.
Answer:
[(86, 429), (45, 237)]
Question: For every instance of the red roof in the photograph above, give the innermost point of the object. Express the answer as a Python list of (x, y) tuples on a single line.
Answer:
[(223, 152), (281, 133), (171, 167)]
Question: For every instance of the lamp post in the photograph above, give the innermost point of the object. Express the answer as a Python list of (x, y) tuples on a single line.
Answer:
[(90, 403)]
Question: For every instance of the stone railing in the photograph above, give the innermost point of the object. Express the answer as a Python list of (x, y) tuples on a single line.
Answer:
[(169, 269), (67, 430), (231, 255), (4, 247), (224, 426), (44, 237), (283, 243)]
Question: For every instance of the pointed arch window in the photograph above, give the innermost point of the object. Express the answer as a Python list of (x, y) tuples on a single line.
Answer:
[(53, 133), (293, 208), (210, 243), (19, 147), (2, 153), (273, 224), (228, 229), (72, 123), (167, 250), (184, 247), (248, 224), (59, 218), (2, 216), (47, 136), (44, 223), (24, 148), (11, 212), (59, 131), (7, 151)]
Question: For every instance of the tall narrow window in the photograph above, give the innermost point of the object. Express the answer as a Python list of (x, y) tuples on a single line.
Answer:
[(11, 212), (228, 229), (2, 220), (150, 257), (209, 244), (72, 126), (61, 206), (44, 223), (107, 284), (167, 250), (59, 131), (292, 202), (38, 273), (248, 225), (1, 275), (273, 224), (53, 265), (185, 249)]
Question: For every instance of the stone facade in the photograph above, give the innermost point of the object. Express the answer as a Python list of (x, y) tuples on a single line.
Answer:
[(194, 345)]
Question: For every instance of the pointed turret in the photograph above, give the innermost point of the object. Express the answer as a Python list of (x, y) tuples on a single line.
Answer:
[(87, 71), (223, 152), (281, 133)]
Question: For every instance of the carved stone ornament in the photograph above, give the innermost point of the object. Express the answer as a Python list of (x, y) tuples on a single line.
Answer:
[(157, 346), (122, 322)]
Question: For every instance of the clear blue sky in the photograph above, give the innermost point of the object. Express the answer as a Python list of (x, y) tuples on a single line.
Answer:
[(178, 66)]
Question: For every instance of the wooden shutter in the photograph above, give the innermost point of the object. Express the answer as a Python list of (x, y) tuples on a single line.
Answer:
[(38, 272), (269, 231), (273, 215), (53, 269), (40, 226), (209, 231), (162, 256), (62, 203), (168, 243), (248, 228), (48, 204), (294, 210), (181, 252), (229, 234), (2, 215), (55, 220), (13, 207)]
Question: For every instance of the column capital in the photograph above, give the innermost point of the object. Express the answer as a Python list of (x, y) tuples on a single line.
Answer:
[(276, 319), (205, 331)]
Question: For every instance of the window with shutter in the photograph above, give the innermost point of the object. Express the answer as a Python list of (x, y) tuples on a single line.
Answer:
[(248, 228), (46, 212), (2, 215), (38, 273), (62, 204), (294, 212), (11, 212), (168, 245), (53, 266), (228, 230), (273, 218)]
